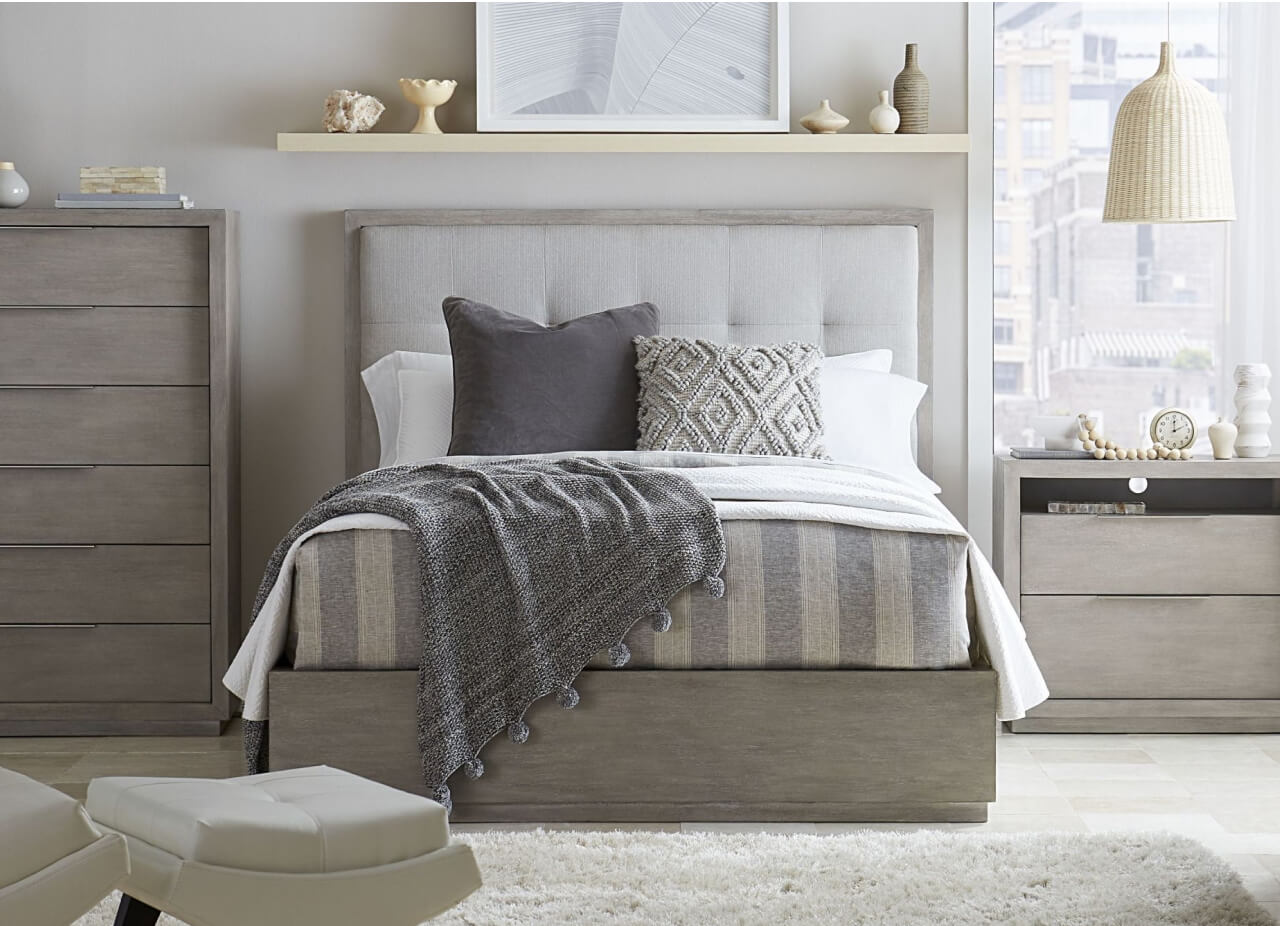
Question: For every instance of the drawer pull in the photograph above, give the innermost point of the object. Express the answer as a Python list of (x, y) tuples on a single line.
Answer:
[(48, 466), (1151, 597), (48, 546), (48, 387), (49, 626), (82, 308)]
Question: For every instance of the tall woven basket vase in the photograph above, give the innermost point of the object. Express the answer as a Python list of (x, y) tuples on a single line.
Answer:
[(911, 96)]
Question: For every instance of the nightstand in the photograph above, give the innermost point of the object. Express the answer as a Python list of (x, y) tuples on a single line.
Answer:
[(1164, 622)]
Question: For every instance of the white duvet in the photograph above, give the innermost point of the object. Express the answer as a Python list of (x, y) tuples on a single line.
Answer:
[(743, 488)]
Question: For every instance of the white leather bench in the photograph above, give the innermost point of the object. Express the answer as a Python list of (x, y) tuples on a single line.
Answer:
[(314, 845), (54, 863)]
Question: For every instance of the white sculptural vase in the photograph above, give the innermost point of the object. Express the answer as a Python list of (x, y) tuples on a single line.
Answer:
[(1253, 402)]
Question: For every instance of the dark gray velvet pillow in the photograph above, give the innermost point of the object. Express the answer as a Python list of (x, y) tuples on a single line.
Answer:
[(519, 387)]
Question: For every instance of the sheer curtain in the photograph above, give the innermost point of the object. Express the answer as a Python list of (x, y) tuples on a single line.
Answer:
[(1252, 66)]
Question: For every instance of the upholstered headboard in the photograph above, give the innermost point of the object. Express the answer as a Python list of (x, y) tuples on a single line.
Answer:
[(847, 280)]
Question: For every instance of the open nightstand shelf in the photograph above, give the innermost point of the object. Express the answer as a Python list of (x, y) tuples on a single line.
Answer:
[(1164, 622)]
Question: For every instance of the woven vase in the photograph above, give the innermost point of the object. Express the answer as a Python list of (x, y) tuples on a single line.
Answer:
[(911, 97)]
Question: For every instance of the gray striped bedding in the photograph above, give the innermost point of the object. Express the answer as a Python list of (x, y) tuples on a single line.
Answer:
[(798, 594)]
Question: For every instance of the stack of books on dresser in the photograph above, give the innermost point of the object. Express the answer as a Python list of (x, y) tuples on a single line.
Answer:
[(123, 188)]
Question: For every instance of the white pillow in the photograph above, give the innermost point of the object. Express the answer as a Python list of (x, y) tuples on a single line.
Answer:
[(868, 417), (879, 360), (382, 381), (426, 414), (432, 395)]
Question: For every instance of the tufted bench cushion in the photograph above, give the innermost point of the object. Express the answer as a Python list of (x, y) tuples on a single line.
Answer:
[(312, 845), (301, 821), (54, 863)]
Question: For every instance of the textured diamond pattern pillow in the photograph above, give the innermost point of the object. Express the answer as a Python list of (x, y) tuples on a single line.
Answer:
[(725, 398)]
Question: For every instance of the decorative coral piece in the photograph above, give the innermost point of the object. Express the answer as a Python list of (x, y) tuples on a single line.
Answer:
[(351, 111)]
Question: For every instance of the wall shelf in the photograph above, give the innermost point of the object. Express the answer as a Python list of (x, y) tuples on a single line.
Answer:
[(634, 143)]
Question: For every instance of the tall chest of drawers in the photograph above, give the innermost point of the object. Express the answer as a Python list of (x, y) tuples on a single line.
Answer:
[(119, 458), (1164, 622)]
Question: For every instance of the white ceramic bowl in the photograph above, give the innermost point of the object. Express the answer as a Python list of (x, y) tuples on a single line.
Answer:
[(1059, 431)]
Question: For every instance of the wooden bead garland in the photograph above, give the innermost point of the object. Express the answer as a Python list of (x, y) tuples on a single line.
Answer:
[(1097, 444)]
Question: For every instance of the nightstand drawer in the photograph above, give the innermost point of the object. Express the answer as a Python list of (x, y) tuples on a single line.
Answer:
[(1151, 647), (109, 266), (120, 662), (104, 504), (104, 346), (1066, 554), (85, 584), (104, 424)]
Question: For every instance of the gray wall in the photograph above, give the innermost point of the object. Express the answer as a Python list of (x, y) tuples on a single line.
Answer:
[(203, 88)]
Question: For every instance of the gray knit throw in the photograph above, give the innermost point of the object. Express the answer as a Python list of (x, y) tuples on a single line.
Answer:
[(528, 568)]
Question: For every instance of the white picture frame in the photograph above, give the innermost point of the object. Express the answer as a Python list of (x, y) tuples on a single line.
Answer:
[(490, 85)]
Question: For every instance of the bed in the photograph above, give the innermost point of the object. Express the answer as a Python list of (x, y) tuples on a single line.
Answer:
[(823, 686)]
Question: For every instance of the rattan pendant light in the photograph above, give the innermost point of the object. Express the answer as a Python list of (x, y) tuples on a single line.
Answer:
[(1169, 156)]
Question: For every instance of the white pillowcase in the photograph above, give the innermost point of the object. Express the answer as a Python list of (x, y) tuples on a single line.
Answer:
[(868, 416), (412, 396), (426, 414), (382, 380)]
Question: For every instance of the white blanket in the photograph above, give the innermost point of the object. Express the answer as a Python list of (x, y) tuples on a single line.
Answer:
[(743, 488)]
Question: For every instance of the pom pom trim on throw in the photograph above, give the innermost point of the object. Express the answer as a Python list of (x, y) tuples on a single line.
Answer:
[(662, 621), (473, 769), (619, 655), (444, 796), (714, 586), (518, 732), (567, 697)]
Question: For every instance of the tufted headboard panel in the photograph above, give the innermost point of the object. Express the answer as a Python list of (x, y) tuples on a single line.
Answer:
[(847, 280)]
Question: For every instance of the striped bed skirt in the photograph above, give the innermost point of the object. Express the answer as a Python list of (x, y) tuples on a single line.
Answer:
[(798, 595)]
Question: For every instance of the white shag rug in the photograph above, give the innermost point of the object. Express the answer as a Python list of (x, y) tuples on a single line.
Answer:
[(925, 878)]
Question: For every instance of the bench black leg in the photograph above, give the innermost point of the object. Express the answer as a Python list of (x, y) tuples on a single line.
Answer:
[(133, 912)]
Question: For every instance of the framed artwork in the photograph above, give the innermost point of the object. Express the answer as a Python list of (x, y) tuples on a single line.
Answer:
[(632, 67)]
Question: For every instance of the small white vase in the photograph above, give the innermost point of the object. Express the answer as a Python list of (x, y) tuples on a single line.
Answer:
[(1222, 435), (1253, 402), (13, 189), (824, 120), (884, 118)]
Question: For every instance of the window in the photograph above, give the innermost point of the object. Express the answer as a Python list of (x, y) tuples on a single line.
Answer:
[(1001, 236), (1037, 138), (1007, 377), (1003, 280), (999, 83), (1123, 318), (1037, 83), (1146, 251)]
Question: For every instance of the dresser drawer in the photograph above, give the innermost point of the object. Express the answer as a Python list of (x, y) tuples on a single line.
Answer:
[(107, 424), (120, 662), (1066, 554), (104, 504), (1149, 647), (105, 345), (84, 584), (110, 266)]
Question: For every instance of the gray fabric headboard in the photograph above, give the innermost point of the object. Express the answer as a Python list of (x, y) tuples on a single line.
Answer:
[(846, 280)]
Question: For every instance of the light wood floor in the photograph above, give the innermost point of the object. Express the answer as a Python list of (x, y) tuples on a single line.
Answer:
[(1221, 790)]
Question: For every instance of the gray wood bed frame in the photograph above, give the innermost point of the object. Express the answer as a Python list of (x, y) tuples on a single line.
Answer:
[(699, 745)]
